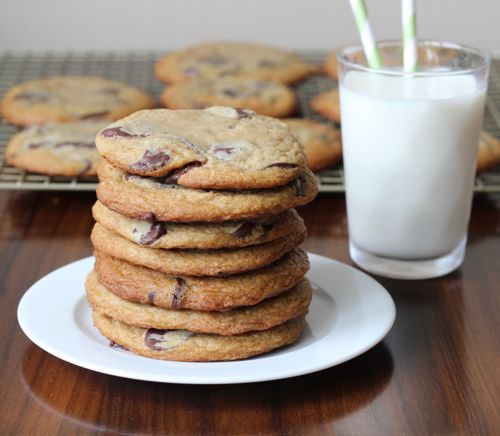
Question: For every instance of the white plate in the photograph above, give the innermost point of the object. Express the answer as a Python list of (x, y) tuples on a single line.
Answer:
[(350, 313)]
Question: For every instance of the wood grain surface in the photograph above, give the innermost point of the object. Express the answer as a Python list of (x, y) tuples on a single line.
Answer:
[(436, 373)]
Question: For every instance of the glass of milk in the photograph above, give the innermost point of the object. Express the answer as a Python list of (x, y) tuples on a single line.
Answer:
[(410, 143)]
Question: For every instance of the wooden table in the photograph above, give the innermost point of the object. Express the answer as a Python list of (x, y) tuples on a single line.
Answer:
[(437, 372)]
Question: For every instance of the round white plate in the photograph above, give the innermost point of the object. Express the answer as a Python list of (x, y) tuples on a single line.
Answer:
[(350, 313)]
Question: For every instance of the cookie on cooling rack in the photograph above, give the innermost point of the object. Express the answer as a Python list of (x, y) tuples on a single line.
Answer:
[(223, 59), (56, 149), (488, 155), (71, 98), (322, 143), (264, 97), (328, 105)]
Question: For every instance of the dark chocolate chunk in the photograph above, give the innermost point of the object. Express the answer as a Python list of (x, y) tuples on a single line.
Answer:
[(214, 59), (151, 297), (94, 115), (244, 230), (230, 92), (156, 231), (284, 165), (87, 167), (118, 132), (150, 161), (150, 216), (224, 150), (33, 97), (115, 345), (180, 287), (173, 177), (299, 187), (165, 339), (243, 113)]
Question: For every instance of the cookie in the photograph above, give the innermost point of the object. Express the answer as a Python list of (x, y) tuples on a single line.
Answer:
[(331, 67), (223, 59), (146, 286), (229, 234), (182, 345), (71, 98), (264, 97), (218, 147), (153, 199), (269, 313), (56, 149), (194, 262), (328, 105), (488, 155), (322, 143)]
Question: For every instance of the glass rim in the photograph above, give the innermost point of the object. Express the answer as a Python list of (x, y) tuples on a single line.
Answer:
[(483, 54)]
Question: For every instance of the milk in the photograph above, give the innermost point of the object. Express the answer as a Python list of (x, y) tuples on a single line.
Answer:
[(410, 148)]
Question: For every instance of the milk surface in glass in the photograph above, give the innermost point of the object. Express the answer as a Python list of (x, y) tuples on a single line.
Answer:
[(410, 148)]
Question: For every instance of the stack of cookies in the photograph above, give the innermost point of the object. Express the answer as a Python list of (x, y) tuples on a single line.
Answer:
[(196, 240)]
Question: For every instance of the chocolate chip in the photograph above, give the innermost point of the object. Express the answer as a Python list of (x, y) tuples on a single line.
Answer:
[(244, 230), (214, 60), (87, 167), (284, 165), (165, 339), (180, 287), (243, 113), (299, 187), (35, 145), (230, 92), (224, 150), (115, 345), (151, 297), (33, 97), (150, 161), (94, 115), (118, 132), (191, 71), (156, 231), (150, 217), (173, 177)]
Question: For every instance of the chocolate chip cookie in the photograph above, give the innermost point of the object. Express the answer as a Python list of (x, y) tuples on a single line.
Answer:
[(488, 155), (194, 262), (328, 105), (228, 234), (331, 67), (71, 98), (223, 59), (219, 147), (264, 97), (183, 345), (322, 143), (163, 200), (146, 286), (268, 313), (56, 149)]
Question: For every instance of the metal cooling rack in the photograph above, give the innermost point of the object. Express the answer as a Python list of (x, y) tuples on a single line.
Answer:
[(136, 68)]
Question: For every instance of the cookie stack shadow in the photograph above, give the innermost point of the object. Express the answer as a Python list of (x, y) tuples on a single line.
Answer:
[(197, 274)]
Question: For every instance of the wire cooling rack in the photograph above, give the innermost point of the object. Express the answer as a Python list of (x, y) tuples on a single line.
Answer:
[(136, 68)]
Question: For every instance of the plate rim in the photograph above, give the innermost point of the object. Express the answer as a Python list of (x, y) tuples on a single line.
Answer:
[(193, 379)]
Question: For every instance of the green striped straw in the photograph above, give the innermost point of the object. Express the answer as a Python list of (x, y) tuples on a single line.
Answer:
[(409, 25), (365, 31)]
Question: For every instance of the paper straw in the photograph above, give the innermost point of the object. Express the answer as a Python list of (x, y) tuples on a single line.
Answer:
[(365, 31), (409, 24)]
